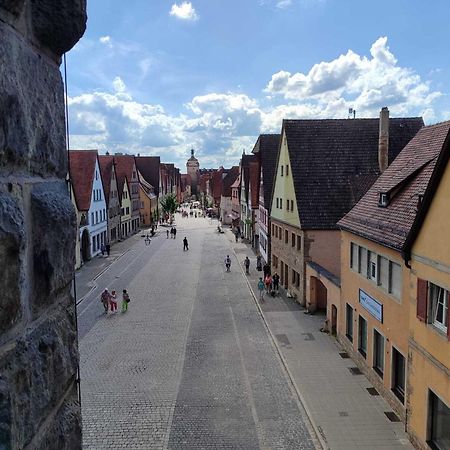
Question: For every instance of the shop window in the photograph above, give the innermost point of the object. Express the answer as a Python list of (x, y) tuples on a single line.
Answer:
[(349, 322), (362, 336), (398, 374), (438, 304), (378, 353), (439, 423)]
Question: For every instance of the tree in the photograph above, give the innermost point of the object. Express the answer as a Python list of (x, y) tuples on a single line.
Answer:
[(169, 204)]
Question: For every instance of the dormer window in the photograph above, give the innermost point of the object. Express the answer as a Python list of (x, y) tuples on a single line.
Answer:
[(383, 200)]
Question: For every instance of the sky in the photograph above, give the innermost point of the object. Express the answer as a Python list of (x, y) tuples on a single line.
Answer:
[(159, 77)]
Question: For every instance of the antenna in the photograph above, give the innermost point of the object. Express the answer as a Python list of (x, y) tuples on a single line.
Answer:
[(351, 112)]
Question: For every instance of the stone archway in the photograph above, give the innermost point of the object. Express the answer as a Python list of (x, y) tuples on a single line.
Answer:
[(85, 245)]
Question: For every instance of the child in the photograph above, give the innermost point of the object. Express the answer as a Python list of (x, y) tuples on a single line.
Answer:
[(113, 301), (125, 300)]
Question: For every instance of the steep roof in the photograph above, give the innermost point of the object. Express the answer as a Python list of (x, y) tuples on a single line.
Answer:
[(405, 181), (254, 174), (148, 167), (267, 148), (334, 162), (245, 169), (106, 167), (229, 180), (82, 170), (124, 170)]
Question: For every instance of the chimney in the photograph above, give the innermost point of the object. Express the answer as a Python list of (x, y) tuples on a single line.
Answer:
[(383, 139)]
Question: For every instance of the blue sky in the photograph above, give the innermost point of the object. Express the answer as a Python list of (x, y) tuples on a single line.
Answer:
[(159, 77)]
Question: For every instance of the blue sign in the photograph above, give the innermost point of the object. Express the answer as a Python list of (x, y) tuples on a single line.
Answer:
[(370, 304)]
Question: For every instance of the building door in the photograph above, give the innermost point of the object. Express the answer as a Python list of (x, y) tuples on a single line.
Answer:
[(85, 246), (333, 320)]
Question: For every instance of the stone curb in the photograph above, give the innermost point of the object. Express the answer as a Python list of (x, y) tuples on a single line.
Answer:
[(317, 438)]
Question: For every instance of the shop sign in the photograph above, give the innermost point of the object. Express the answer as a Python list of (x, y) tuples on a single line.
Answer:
[(371, 305)]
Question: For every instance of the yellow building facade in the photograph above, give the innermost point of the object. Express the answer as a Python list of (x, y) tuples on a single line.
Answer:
[(125, 211), (429, 318)]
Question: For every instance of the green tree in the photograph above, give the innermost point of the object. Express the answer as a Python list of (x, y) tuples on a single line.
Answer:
[(169, 204)]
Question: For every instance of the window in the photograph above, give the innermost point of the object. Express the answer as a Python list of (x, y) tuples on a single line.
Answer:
[(362, 336), (281, 203), (439, 423), (398, 374), (273, 230), (282, 167), (395, 279), (349, 322), (438, 307), (383, 272), (92, 219), (299, 242), (275, 261), (278, 202), (287, 169), (287, 205), (378, 353), (286, 236), (292, 205), (295, 278), (362, 267), (354, 256), (293, 240), (373, 269), (96, 216), (280, 233), (94, 247)]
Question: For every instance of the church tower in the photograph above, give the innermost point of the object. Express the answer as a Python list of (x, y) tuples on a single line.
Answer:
[(192, 167)]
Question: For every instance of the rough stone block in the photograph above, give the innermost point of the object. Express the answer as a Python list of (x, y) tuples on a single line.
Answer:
[(32, 130), (12, 6), (54, 232), (35, 376), (11, 249), (58, 24)]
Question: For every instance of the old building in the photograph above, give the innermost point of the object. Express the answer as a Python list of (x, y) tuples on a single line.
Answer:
[(323, 168), (192, 168), (149, 185), (248, 175), (236, 205), (393, 317), (185, 187), (267, 148), (128, 184), (87, 185), (225, 209), (109, 177)]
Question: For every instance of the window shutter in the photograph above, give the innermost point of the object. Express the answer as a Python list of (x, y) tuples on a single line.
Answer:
[(422, 294)]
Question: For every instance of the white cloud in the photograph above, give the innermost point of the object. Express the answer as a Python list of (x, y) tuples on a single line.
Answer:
[(358, 81), (283, 3), (119, 85), (106, 40), (183, 11)]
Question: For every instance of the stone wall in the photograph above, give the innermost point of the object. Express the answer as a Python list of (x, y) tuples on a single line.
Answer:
[(38, 343)]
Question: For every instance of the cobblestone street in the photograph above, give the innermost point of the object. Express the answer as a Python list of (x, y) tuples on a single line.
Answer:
[(191, 364)]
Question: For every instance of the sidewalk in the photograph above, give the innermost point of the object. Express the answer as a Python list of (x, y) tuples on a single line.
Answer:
[(343, 412)]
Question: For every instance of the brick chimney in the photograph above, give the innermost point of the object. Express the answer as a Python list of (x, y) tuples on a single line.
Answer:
[(383, 139)]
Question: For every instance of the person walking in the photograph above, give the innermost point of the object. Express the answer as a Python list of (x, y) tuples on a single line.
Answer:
[(258, 263), (276, 282), (185, 244), (104, 298), (236, 236), (261, 289), (174, 233), (167, 232), (266, 269), (108, 248), (228, 263), (247, 265), (125, 300), (113, 301), (268, 283)]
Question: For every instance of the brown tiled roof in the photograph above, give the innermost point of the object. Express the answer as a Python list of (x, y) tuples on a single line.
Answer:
[(229, 180), (82, 170), (254, 173), (335, 161), (267, 148), (124, 170), (245, 165), (106, 168), (404, 181), (148, 167)]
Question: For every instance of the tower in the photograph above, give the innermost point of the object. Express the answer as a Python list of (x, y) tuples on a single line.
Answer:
[(192, 167)]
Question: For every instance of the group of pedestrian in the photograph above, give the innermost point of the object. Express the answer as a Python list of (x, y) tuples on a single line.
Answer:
[(109, 300), (105, 248), (268, 284), (172, 232)]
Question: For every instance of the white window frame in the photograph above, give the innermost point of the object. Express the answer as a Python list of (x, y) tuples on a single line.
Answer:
[(434, 300)]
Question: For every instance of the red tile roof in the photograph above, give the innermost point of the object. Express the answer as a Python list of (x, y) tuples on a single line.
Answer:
[(403, 181), (106, 169), (148, 167), (124, 170), (229, 180), (82, 170)]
